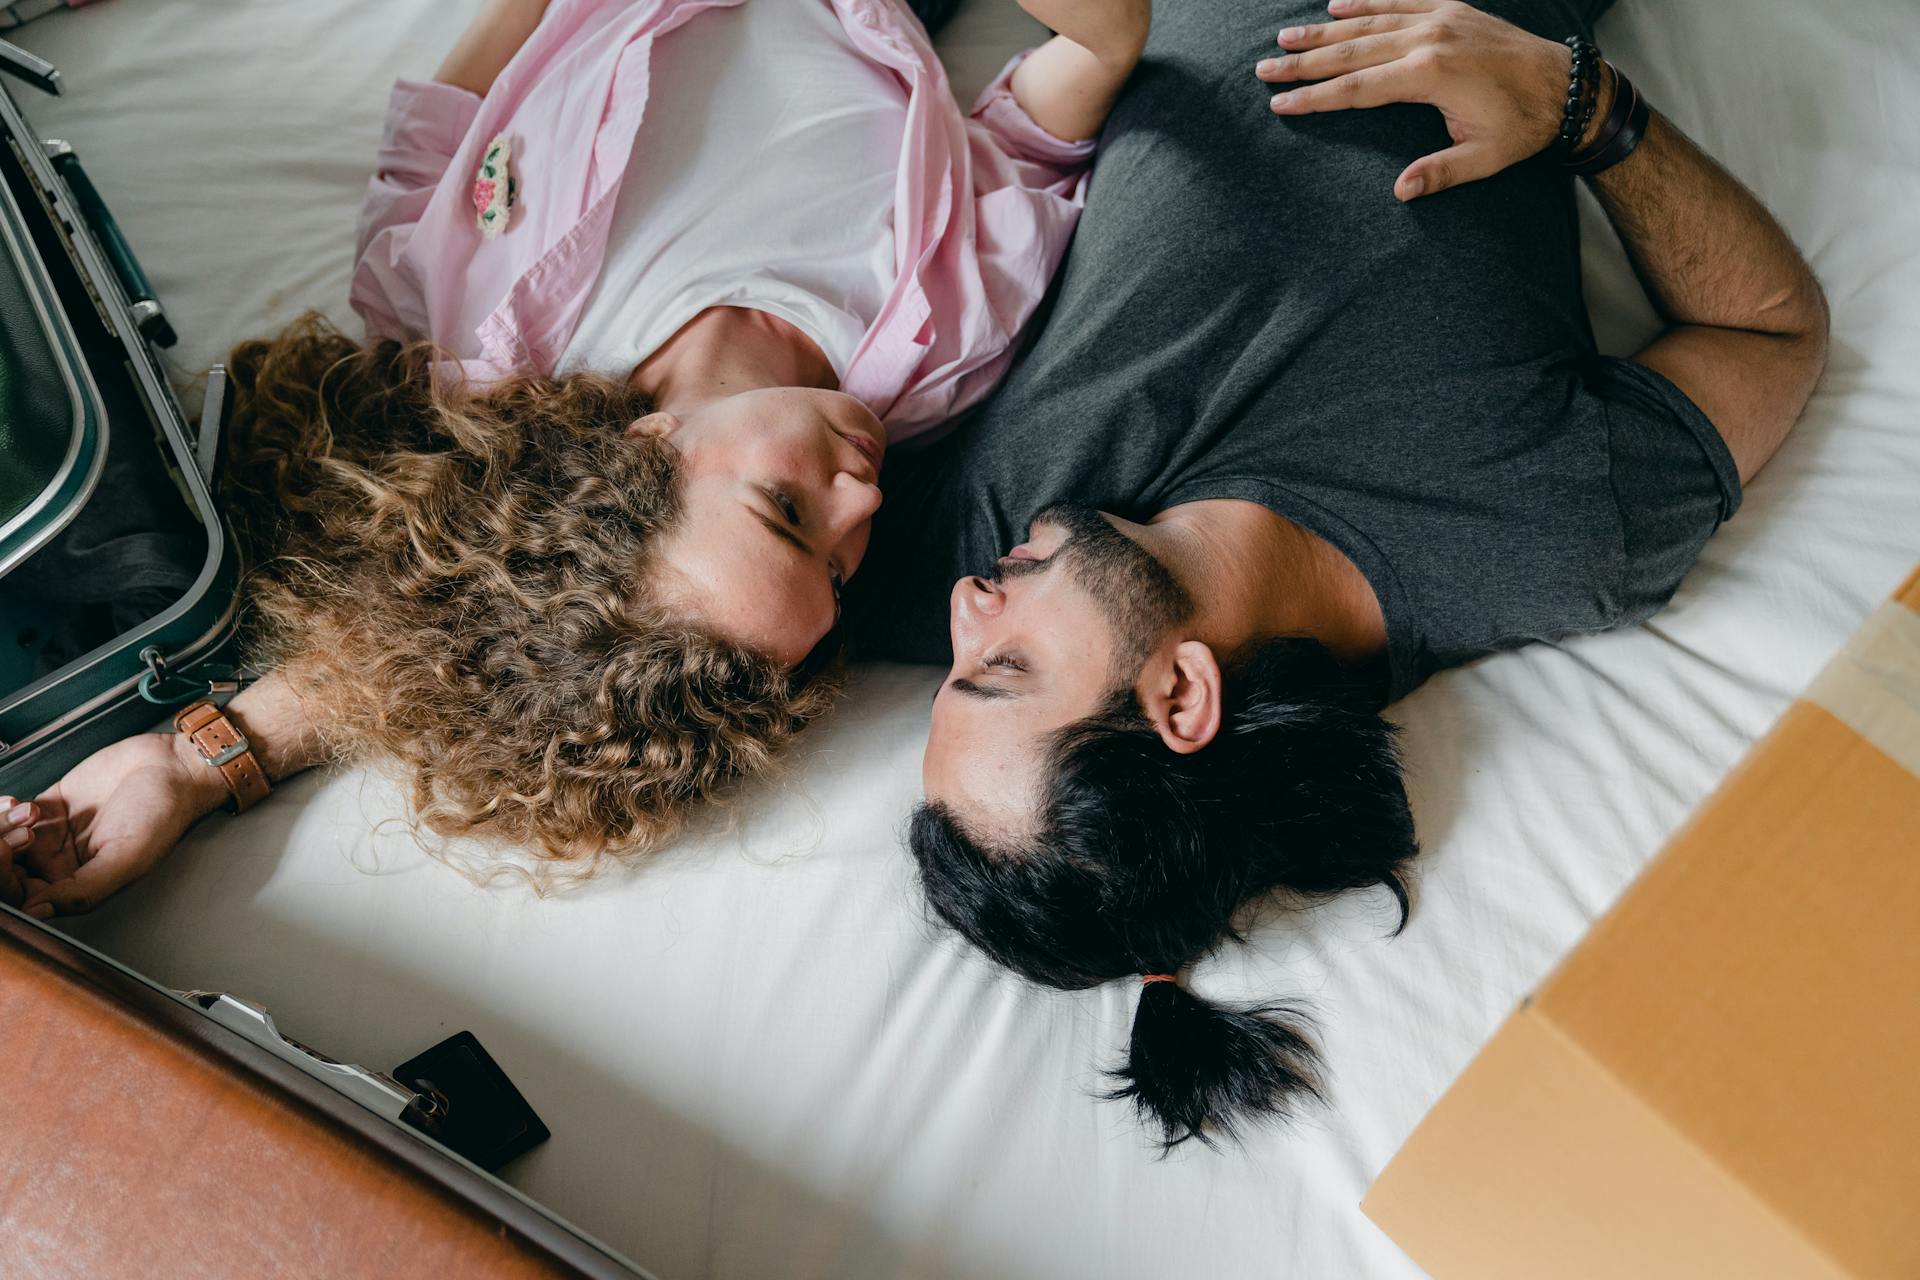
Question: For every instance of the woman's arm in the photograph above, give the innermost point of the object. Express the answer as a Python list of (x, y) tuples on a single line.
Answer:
[(122, 809), (1068, 85), (425, 127), (490, 43)]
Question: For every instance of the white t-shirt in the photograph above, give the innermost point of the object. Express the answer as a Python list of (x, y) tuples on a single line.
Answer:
[(763, 176)]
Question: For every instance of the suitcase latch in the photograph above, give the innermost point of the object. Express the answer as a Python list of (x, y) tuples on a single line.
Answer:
[(164, 689)]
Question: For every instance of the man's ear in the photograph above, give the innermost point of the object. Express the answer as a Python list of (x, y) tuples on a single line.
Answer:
[(1182, 695), (661, 425)]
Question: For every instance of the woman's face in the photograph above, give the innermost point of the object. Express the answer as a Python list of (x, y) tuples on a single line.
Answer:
[(779, 487)]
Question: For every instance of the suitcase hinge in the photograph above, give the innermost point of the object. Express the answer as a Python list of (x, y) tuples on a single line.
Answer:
[(163, 688)]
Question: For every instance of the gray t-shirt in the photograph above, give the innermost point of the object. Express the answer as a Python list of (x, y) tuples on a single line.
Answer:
[(1246, 312)]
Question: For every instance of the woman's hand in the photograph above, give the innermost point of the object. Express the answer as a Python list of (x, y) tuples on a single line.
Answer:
[(1500, 89), (105, 824)]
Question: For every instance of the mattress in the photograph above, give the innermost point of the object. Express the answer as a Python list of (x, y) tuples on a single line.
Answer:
[(756, 1054)]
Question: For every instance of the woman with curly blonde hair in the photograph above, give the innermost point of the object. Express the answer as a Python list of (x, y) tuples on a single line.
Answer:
[(649, 287), (476, 591)]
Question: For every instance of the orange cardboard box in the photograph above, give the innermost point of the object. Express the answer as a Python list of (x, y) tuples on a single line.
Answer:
[(1723, 1078)]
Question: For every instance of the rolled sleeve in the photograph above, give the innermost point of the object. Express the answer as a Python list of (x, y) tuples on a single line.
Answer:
[(1673, 479), (1018, 133), (1027, 189), (426, 124)]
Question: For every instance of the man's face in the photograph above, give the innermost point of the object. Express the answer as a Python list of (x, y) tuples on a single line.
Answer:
[(1066, 619)]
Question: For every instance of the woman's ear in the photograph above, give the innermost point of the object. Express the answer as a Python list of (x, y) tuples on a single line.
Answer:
[(1182, 697), (660, 425)]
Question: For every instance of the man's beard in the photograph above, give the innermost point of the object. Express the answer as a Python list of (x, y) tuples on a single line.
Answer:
[(1139, 598)]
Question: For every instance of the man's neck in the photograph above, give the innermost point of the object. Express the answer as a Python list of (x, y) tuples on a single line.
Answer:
[(1254, 575), (726, 350)]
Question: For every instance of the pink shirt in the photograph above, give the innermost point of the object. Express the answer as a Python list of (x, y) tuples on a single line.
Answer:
[(984, 208)]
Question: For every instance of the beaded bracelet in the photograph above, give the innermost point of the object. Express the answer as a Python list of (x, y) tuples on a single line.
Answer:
[(1583, 95), (1621, 132)]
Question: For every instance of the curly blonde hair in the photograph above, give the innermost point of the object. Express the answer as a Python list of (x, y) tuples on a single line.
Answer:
[(457, 577)]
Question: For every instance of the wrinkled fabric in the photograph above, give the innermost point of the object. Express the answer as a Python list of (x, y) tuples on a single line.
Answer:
[(1416, 384), (984, 207), (757, 1055)]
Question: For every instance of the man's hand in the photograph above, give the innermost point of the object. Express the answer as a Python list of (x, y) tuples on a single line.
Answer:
[(1746, 334), (105, 824), (1500, 89), (1068, 85)]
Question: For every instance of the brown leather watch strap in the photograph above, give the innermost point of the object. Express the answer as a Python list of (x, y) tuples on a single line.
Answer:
[(222, 745)]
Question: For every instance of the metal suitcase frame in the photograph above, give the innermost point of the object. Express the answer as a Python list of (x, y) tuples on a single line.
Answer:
[(352, 1107), (98, 697), (86, 290)]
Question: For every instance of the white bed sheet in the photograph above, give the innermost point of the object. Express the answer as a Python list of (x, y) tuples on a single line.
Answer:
[(755, 1055)]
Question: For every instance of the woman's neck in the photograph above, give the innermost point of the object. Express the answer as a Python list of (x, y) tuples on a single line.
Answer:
[(726, 350)]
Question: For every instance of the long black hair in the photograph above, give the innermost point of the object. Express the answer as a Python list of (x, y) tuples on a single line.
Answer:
[(1142, 856)]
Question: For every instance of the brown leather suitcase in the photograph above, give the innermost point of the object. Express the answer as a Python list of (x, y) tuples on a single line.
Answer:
[(143, 1138)]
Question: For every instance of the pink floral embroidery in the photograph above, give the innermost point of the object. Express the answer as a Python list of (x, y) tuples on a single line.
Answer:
[(493, 189)]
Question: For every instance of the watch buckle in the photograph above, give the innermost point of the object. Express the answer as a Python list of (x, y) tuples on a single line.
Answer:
[(232, 752)]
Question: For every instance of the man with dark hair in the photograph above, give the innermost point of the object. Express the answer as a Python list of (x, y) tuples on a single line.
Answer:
[(1330, 379)]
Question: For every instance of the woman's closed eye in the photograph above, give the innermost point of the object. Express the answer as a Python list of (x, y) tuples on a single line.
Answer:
[(782, 517), (1004, 661), (789, 510), (786, 506)]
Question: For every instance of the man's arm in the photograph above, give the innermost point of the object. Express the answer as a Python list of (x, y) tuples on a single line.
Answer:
[(1747, 322), (1069, 84)]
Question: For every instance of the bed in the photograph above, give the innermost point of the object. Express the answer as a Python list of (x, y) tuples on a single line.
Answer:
[(756, 1055)]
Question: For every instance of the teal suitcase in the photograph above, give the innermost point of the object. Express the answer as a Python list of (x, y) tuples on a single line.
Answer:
[(84, 398), (97, 461)]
